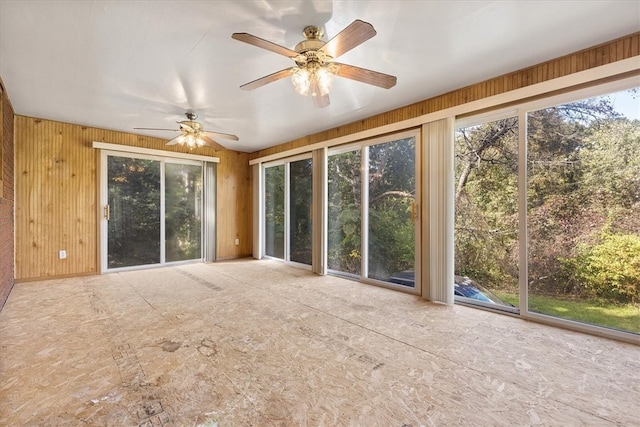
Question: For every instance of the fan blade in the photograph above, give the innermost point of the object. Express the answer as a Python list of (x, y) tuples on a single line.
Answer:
[(321, 101), (222, 135), (264, 44), (171, 130), (355, 34), (177, 140), (363, 75), (267, 79), (211, 143)]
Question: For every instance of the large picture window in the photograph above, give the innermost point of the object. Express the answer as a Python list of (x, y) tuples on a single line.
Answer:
[(572, 175), (371, 211), (583, 211)]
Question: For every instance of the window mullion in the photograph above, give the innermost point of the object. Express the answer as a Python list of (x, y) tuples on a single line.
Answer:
[(287, 211), (523, 250), (364, 213)]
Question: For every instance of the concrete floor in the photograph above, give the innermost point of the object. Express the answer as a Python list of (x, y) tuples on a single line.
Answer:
[(259, 343)]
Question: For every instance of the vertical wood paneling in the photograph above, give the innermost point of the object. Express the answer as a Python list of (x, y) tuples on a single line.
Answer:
[(57, 193), (234, 206), (617, 50)]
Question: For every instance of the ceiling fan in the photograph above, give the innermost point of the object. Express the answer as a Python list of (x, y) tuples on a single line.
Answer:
[(193, 134), (315, 65)]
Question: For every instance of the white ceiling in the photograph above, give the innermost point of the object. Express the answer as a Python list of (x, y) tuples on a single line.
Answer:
[(124, 64)]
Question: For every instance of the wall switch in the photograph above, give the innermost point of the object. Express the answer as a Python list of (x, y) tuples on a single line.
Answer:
[(62, 254), (237, 242)]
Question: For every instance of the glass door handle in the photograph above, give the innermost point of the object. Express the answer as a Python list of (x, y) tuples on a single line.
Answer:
[(107, 212)]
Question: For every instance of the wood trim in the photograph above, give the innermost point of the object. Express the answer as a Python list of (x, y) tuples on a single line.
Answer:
[(152, 152)]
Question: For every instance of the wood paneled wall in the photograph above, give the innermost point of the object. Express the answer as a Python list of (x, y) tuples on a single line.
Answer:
[(6, 196), (617, 50), (57, 196), (234, 206)]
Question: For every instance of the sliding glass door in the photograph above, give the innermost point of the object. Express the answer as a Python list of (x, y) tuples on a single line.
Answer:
[(183, 211), (371, 211), (133, 212), (300, 201), (344, 216), (274, 211), (391, 214), (153, 211), (287, 210)]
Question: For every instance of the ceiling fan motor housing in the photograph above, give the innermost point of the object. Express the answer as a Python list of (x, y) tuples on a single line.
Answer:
[(309, 48), (192, 125)]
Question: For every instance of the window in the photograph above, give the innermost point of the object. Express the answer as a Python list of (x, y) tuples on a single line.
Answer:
[(274, 211), (344, 213), (153, 210), (486, 213), (287, 210), (583, 211), (547, 219), (371, 211)]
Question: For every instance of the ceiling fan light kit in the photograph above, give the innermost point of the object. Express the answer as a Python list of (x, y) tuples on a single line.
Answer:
[(314, 80), (315, 72), (315, 68), (193, 134)]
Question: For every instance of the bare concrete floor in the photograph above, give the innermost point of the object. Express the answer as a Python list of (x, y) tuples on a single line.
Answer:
[(258, 343)]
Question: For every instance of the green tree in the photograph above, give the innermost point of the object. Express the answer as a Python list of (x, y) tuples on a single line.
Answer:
[(274, 211), (486, 192), (134, 200), (391, 193), (610, 268), (391, 197), (344, 199)]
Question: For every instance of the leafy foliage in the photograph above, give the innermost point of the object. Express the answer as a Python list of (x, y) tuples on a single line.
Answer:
[(344, 253), (611, 268), (274, 211), (391, 193), (300, 195), (134, 200), (583, 173), (183, 225)]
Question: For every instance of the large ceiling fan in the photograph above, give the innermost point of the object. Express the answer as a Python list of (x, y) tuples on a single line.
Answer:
[(193, 134), (315, 65)]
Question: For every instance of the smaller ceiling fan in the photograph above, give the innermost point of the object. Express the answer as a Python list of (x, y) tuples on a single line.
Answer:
[(193, 134), (314, 58)]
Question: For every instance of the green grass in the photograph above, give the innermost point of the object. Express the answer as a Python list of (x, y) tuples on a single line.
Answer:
[(625, 317)]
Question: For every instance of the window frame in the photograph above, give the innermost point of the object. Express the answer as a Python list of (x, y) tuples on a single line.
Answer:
[(287, 209), (522, 110), (363, 146)]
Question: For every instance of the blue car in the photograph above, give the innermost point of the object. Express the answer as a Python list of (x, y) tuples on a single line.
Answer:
[(462, 287), (465, 287)]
